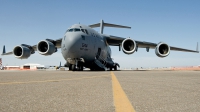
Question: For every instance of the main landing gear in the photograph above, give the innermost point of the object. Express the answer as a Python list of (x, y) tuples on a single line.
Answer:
[(114, 67)]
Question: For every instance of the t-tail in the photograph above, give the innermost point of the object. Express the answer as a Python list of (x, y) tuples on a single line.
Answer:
[(102, 25)]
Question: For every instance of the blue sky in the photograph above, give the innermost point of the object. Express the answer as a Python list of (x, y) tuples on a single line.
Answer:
[(175, 22)]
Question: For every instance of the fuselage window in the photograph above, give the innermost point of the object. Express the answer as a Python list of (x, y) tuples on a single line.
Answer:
[(83, 37), (94, 35), (82, 30), (86, 31)]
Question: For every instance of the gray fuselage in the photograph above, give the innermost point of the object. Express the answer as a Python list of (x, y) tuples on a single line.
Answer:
[(82, 42)]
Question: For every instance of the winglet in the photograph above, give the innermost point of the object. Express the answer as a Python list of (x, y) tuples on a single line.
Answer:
[(4, 50), (197, 48), (60, 64)]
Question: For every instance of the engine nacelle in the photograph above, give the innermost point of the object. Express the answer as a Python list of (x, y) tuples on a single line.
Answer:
[(128, 46), (21, 52), (162, 50), (45, 47)]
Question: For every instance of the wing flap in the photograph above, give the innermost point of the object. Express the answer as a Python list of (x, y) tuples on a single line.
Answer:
[(113, 40), (143, 44), (8, 53), (116, 41), (184, 50)]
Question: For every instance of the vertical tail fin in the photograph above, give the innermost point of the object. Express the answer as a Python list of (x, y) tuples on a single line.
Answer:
[(101, 26), (197, 49)]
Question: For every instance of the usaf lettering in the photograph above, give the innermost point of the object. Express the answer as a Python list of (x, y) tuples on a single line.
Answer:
[(84, 45)]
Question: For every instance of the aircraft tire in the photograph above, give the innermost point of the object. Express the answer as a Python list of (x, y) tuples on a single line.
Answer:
[(92, 69), (115, 68), (81, 68), (70, 67), (73, 67)]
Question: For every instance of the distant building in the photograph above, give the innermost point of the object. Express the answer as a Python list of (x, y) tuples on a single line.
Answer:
[(11, 67), (31, 66), (28, 66)]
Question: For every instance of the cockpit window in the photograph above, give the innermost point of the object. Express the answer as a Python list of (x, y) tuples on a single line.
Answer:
[(70, 30), (86, 31), (76, 30)]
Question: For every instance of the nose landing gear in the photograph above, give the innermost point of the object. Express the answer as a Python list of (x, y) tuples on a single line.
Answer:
[(114, 66), (76, 68)]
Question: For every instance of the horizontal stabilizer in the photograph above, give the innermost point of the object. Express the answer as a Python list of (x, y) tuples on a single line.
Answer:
[(109, 25), (102, 25)]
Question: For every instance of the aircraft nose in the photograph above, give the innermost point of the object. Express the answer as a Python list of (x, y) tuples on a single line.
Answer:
[(71, 44)]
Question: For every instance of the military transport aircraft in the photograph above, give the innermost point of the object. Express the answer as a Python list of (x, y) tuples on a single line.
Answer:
[(82, 47)]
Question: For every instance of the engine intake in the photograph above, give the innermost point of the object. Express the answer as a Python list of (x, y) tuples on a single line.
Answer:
[(45, 47), (128, 46), (21, 52), (162, 50)]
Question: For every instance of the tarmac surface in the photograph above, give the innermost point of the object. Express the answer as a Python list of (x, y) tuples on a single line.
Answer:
[(87, 91)]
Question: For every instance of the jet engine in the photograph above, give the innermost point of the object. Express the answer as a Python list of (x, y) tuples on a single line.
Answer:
[(162, 50), (45, 47), (128, 46), (21, 52)]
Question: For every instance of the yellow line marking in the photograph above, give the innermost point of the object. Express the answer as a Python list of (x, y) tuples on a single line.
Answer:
[(9, 83), (121, 102)]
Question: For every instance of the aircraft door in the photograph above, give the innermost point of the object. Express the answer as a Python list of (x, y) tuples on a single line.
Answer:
[(98, 53)]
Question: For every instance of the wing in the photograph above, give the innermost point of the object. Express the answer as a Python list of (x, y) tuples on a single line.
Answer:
[(33, 48), (117, 41)]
